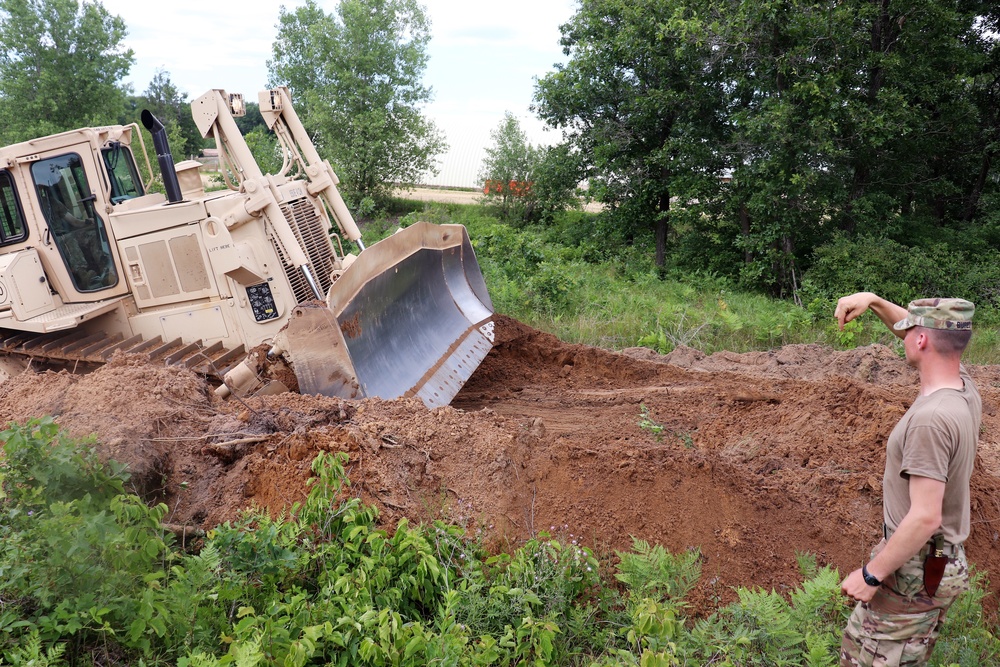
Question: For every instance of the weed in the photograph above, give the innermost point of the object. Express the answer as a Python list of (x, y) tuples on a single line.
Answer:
[(646, 423), (848, 336), (686, 439)]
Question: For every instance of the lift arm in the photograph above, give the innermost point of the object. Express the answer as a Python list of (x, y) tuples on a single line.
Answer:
[(280, 117)]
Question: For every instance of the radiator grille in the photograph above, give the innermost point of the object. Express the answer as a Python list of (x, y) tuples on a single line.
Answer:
[(310, 232)]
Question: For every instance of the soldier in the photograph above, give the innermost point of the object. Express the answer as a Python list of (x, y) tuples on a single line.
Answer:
[(81, 245), (919, 568)]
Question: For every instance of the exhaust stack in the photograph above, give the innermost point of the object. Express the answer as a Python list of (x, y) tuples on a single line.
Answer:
[(163, 156)]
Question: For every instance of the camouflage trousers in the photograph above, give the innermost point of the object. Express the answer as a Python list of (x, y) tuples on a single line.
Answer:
[(900, 625), (84, 255)]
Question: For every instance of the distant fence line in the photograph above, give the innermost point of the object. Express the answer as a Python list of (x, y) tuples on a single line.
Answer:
[(460, 165)]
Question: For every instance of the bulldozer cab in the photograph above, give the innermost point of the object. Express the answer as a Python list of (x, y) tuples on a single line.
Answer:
[(12, 226), (122, 173), (80, 234)]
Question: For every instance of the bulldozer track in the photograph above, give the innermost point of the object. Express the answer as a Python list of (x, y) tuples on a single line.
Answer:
[(79, 351)]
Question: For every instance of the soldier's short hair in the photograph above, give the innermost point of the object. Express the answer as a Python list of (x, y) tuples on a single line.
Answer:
[(948, 342)]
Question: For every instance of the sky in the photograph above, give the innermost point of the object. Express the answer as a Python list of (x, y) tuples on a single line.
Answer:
[(483, 60)]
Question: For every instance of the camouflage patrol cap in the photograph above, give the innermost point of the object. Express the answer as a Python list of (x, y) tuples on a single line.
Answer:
[(952, 314)]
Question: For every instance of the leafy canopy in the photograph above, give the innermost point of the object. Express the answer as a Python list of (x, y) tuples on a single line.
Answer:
[(61, 65), (527, 182), (357, 73), (746, 135), (170, 105), (508, 170), (636, 99)]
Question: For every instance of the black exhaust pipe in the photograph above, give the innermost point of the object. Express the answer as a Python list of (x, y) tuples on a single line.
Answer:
[(163, 156)]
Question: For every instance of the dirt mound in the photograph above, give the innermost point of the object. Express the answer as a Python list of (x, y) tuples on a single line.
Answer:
[(877, 364), (749, 458)]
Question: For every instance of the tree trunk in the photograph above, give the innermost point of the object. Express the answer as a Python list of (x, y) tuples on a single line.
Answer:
[(783, 268), (859, 183), (972, 201), (745, 230), (885, 32), (662, 225)]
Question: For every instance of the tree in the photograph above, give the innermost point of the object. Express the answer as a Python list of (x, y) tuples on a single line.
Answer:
[(357, 77), (526, 182), (171, 107), (857, 118), (752, 133), (557, 177), (252, 120), (780, 140), (265, 149), (61, 64), (636, 99), (508, 170)]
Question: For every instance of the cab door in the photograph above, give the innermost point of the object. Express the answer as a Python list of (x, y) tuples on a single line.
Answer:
[(73, 210)]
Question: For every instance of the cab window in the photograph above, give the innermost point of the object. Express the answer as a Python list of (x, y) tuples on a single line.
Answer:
[(67, 202), (12, 227), (124, 177)]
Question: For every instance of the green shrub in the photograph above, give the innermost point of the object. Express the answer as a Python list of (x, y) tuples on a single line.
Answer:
[(89, 578), (902, 273), (78, 555), (965, 638), (650, 571)]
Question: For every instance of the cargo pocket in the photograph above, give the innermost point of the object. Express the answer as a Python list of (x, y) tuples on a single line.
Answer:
[(892, 639)]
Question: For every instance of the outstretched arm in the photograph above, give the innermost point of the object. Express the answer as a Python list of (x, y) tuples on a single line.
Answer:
[(851, 306)]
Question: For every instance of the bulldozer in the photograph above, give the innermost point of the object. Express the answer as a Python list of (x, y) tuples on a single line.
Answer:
[(249, 285)]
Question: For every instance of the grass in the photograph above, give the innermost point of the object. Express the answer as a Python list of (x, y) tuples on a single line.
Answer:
[(569, 281)]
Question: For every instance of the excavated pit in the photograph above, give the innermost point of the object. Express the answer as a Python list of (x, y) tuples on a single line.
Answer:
[(760, 456)]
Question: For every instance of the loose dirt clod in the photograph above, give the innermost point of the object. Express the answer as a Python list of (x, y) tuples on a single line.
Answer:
[(759, 456)]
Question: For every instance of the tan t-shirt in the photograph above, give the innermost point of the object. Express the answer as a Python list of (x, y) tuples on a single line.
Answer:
[(936, 438)]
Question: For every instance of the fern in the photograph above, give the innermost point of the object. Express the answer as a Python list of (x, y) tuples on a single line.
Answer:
[(765, 629), (757, 630), (822, 650), (241, 654), (808, 566), (818, 603), (31, 655), (654, 572)]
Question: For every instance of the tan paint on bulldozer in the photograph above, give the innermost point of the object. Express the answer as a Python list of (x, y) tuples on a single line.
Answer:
[(203, 279), (410, 317)]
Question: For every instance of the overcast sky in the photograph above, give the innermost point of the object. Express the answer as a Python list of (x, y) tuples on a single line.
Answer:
[(484, 57)]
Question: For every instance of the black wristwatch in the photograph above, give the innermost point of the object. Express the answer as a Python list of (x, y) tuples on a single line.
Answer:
[(869, 578)]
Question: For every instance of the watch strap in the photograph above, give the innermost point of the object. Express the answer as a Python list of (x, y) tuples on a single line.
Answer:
[(870, 579)]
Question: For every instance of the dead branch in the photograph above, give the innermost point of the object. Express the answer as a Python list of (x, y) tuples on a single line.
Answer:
[(231, 450)]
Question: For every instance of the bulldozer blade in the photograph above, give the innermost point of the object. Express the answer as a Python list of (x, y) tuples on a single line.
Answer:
[(414, 314), (318, 352)]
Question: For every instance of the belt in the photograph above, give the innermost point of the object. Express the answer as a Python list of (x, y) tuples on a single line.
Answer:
[(947, 548)]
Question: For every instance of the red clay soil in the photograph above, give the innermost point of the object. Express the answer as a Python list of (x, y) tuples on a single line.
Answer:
[(760, 456)]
